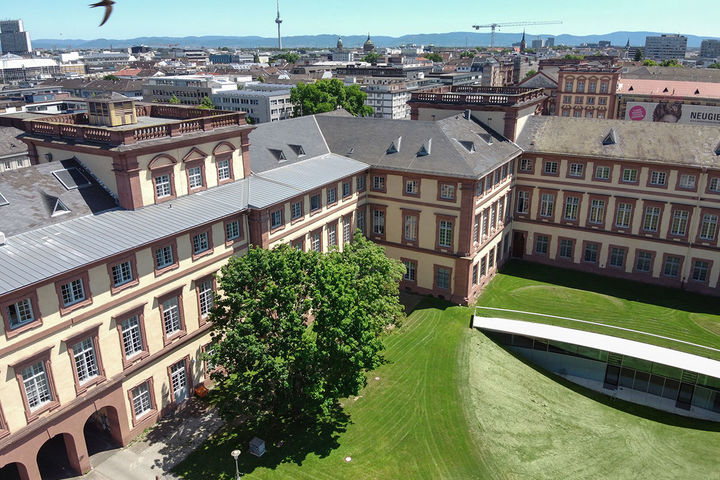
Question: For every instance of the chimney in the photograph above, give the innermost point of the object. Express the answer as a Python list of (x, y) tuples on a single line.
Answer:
[(468, 112)]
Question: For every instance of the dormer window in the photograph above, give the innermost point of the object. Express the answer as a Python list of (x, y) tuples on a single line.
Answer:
[(394, 146), (278, 154), (60, 208), (425, 149), (610, 138), (298, 149)]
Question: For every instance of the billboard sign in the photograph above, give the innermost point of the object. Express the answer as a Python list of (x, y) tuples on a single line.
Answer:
[(672, 112)]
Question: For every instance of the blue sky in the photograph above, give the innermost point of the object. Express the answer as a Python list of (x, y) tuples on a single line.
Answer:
[(134, 18)]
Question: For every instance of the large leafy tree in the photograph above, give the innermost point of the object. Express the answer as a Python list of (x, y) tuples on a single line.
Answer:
[(326, 95), (297, 331)]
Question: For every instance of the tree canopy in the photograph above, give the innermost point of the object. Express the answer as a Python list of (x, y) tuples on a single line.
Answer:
[(650, 63), (530, 73), (714, 65), (571, 56), (297, 331), (433, 57), (671, 63), (288, 57), (207, 104), (111, 77), (468, 54), (638, 55), (174, 100), (327, 95), (371, 57)]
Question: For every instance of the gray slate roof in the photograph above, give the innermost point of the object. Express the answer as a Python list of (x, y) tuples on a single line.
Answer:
[(9, 143), (449, 142), (34, 256), (270, 138), (670, 143), (32, 193)]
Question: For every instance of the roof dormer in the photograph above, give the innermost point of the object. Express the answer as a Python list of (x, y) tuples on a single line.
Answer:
[(394, 146)]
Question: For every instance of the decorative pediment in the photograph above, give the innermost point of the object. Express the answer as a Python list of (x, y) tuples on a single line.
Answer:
[(223, 148), (161, 161), (194, 155)]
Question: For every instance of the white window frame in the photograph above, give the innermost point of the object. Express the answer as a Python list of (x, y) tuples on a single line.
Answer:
[(36, 384), (195, 177), (206, 297), (163, 186), (164, 257), (651, 219), (597, 212), (142, 400), (658, 178), (708, 229), (132, 336), (547, 205), (223, 169), (201, 243), (624, 215), (679, 222), (72, 292), (445, 233), (85, 359), (22, 312), (172, 322), (122, 273)]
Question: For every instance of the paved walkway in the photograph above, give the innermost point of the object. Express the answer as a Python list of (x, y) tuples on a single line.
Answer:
[(158, 450)]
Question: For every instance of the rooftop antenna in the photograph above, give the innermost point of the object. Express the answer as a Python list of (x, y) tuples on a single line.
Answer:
[(278, 20)]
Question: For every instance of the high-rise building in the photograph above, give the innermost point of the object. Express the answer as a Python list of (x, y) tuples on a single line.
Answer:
[(550, 42), (14, 38), (665, 47), (710, 49)]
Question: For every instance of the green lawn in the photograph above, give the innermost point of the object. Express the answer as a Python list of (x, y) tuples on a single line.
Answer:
[(567, 293), (452, 404)]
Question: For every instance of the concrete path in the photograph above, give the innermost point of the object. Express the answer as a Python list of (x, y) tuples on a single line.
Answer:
[(158, 450)]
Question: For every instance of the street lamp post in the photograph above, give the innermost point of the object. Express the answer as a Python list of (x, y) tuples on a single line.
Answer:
[(235, 454)]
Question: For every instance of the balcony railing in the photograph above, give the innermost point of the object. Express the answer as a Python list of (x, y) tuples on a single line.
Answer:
[(469, 95)]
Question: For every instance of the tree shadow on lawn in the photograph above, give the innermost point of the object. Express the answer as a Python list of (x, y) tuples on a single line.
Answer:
[(287, 442), (634, 409), (615, 287)]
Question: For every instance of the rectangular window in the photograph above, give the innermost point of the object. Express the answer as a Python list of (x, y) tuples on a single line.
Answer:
[(445, 234), (378, 222), (475, 274), (276, 219), (360, 183), (651, 221), (141, 400), (644, 262), (331, 195), (624, 215), (206, 297), (672, 266), (491, 258), (122, 273), (708, 229), (541, 244), (571, 208), (700, 270), (658, 179), (547, 204), (164, 257), (551, 168), (483, 266), (378, 182), (566, 249), (480, 188), (232, 230), (411, 228), (525, 165), (485, 222), (315, 202), (37, 387), (132, 336), (315, 243), (201, 243), (195, 179), (411, 187), (714, 185), (617, 257), (597, 212), (178, 378), (630, 175), (85, 361), (72, 292), (523, 202), (296, 210), (361, 221), (602, 173), (592, 86), (604, 87), (578, 101), (576, 169), (500, 206), (493, 216), (447, 192), (569, 86), (410, 270), (679, 222), (171, 316), (476, 229), (223, 168), (580, 86), (442, 278), (163, 187), (591, 252), (687, 181), (346, 189), (346, 230), (332, 235)]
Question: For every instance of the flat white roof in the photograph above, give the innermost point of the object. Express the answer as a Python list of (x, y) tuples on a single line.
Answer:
[(632, 348)]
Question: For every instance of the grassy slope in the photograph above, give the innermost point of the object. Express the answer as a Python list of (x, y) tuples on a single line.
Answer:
[(553, 291), (453, 405)]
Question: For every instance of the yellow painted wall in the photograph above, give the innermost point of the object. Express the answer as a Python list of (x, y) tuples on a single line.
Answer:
[(100, 165)]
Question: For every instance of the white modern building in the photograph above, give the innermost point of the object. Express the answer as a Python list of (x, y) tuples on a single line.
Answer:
[(14, 68), (665, 47), (262, 102), (189, 89), (389, 97)]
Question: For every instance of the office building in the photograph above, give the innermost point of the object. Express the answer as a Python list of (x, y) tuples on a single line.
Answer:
[(13, 38), (665, 47), (710, 49)]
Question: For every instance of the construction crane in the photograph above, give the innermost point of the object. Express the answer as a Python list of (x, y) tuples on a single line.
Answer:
[(494, 26)]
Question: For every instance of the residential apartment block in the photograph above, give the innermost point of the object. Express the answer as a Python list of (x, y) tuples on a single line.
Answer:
[(262, 104), (665, 47), (587, 91)]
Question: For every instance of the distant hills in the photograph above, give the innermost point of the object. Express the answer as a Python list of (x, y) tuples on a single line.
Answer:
[(452, 39)]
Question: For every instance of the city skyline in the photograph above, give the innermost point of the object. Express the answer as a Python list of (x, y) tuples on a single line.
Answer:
[(133, 18)]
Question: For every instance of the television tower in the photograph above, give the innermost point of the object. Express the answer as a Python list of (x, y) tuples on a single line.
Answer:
[(278, 20)]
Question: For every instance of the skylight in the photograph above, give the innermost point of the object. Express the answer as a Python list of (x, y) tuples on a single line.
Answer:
[(298, 149), (610, 138), (394, 146), (425, 149), (60, 208), (71, 178)]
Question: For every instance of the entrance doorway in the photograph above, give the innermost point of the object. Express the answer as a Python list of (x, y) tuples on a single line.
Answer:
[(518, 245), (11, 471), (102, 431), (53, 458)]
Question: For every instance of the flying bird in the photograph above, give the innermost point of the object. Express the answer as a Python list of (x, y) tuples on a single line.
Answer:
[(108, 4)]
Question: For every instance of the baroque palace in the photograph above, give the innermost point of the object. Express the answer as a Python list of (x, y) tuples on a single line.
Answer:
[(111, 239)]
